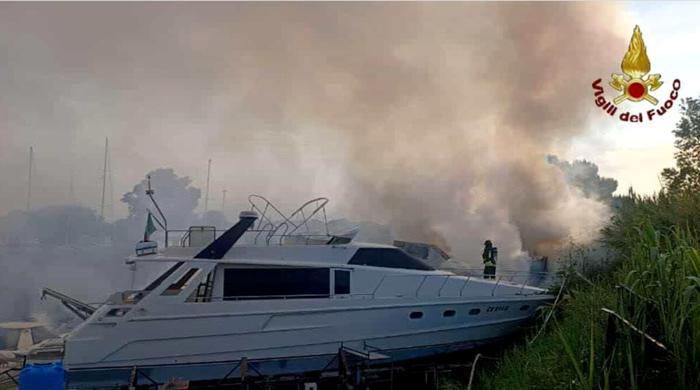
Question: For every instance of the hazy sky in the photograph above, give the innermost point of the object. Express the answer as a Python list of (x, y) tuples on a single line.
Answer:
[(175, 85), (635, 154), (433, 118)]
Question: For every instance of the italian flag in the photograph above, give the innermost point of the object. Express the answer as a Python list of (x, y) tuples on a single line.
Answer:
[(150, 228)]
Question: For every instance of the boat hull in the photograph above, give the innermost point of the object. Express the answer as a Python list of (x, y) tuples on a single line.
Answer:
[(279, 348)]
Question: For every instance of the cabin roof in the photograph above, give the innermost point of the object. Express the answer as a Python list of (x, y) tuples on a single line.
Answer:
[(334, 253), (291, 254)]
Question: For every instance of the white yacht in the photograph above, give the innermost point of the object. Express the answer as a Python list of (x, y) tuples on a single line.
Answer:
[(283, 302)]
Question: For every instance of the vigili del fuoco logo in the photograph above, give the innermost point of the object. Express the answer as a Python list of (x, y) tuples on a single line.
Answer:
[(635, 86)]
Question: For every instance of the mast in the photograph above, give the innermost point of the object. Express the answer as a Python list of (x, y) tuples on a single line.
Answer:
[(71, 187), (104, 180), (110, 183), (29, 181), (223, 202), (206, 195)]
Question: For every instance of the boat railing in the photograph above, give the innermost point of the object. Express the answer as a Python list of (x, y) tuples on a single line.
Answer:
[(277, 228), (537, 278), (520, 279), (278, 224), (184, 241), (273, 227), (184, 234), (267, 229), (266, 236)]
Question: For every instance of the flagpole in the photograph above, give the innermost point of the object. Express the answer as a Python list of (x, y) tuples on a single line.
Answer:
[(163, 224), (145, 231)]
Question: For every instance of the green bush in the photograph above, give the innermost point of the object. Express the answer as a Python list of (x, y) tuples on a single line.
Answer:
[(654, 288)]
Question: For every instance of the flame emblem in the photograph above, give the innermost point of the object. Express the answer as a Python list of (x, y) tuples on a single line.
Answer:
[(635, 65)]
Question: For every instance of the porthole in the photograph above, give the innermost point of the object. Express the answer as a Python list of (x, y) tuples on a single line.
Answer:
[(415, 315), (524, 307), (474, 312), (449, 313)]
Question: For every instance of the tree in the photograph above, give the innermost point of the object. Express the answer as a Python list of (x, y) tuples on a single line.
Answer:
[(685, 178), (584, 175), (176, 197), (54, 226), (68, 225)]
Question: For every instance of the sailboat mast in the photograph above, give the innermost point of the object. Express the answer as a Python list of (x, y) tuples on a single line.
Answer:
[(104, 180), (223, 202), (206, 195), (29, 181)]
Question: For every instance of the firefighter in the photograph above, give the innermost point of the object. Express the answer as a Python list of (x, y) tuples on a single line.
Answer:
[(489, 257)]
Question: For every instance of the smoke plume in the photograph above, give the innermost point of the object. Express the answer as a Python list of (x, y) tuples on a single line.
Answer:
[(434, 118)]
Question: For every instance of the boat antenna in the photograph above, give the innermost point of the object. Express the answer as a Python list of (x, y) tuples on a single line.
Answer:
[(164, 224), (29, 185)]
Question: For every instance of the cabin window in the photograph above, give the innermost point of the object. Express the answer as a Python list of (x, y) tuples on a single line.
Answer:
[(388, 258), (474, 312), (449, 313), (270, 283), (415, 315), (342, 282), (181, 283)]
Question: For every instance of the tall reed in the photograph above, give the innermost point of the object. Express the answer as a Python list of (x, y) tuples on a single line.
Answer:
[(660, 294)]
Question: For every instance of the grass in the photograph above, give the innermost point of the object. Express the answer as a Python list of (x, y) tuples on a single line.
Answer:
[(653, 338), (661, 276), (560, 358)]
